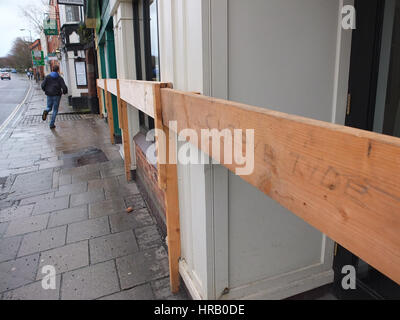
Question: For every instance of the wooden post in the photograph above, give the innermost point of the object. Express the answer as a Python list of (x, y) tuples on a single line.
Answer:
[(110, 118), (119, 105), (168, 182), (125, 138), (100, 98)]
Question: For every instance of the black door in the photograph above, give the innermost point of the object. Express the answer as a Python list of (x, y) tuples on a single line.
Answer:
[(365, 85)]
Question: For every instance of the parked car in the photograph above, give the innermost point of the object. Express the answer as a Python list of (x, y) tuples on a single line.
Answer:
[(5, 75), (13, 71)]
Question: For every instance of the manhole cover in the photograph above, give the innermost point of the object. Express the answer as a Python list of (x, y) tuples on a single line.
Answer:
[(91, 155)]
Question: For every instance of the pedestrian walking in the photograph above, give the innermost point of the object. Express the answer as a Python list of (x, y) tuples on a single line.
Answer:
[(54, 87)]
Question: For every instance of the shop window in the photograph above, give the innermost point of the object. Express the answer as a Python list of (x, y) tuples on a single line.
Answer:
[(72, 14), (147, 48)]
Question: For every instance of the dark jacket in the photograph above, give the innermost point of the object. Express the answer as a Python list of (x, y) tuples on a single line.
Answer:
[(54, 85)]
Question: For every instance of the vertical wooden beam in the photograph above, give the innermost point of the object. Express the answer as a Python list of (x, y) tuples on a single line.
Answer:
[(100, 98), (168, 182), (125, 138), (110, 118), (119, 106)]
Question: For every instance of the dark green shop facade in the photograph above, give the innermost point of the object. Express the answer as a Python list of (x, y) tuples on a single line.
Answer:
[(108, 63)]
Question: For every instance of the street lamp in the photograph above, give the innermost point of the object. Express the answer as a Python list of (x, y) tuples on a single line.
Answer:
[(30, 33)]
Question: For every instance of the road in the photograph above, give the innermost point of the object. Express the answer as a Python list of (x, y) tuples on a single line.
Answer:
[(12, 93)]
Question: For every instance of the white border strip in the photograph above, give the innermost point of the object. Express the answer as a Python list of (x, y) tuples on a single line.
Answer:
[(12, 115)]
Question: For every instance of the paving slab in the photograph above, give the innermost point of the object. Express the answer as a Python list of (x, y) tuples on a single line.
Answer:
[(37, 181), (27, 225), (15, 212), (46, 206), (91, 282), (162, 291), (42, 240), (3, 228), (38, 198), (88, 229), (9, 248), (143, 292), (87, 197), (142, 267), (106, 184), (68, 189), (86, 177), (148, 237), (105, 208), (135, 201), (19, 272), (34, 291), (112, 246), (68, 216), (67, 258), (127, 221), (124, 190)]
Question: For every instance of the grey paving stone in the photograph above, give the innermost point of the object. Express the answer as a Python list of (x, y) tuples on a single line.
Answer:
[(105, 208), (45, 206), (90, 282), (3, 228), (135, 201), (9, 248), (64, 179), (88, 229), (68, 216), (35, 199), (142, 267), (34, 291), (124, 190), (68, 189), (42, 240), (67, 258), (162, 291), (106, 184), (112, 246), (86, 177), (37, 181), (127, 221), (87, 197), (27, 225), (16, 273), (148, 237), (112, 172), (143, 292), (15, 212)]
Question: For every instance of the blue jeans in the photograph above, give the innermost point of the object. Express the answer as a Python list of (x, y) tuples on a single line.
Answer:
[(53, 104)]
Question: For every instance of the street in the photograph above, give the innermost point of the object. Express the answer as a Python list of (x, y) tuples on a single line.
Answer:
[(12, 93)]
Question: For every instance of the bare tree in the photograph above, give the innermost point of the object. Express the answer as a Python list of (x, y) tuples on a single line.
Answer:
[(19, 57), (35, 13)]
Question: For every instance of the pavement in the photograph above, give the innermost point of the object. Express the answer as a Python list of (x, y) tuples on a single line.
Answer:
[(63, 196)]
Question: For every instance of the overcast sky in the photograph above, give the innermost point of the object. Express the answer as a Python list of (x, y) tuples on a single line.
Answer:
[(11, 21)]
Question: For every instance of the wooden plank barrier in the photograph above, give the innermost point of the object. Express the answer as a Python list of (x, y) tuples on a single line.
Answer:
[(343, 181)]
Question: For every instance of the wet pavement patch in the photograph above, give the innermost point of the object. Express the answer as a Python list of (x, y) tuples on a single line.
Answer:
[(83, 157), (3, 181)]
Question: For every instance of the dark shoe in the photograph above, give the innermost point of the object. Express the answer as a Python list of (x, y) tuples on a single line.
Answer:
[(52, 127), (44, 115)]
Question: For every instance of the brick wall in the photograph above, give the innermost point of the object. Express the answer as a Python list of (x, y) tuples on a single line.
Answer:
[(147, 179)]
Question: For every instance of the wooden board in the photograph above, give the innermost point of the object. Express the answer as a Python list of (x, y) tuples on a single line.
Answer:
[(100, 83), (110, 118), (112, 86), (139, 94), (168, 182), (345, 182), (125, 140)]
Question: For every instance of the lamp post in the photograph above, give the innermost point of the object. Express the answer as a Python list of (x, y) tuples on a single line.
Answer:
[(30, 33)]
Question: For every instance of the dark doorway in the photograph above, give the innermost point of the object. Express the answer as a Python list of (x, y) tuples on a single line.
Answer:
[(373, 105)]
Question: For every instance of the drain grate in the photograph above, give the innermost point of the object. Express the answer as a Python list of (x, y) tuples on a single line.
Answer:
[(60, 117), (91, 155)]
